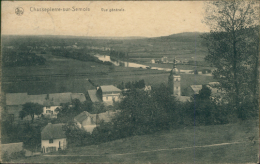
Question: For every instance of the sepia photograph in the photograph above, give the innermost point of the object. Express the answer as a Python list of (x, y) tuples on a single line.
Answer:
[(130, 81)]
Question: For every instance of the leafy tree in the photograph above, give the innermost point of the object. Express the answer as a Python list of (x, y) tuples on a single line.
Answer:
[(75, 135), (121, 86), (204, 93), (31, 109), (22, 114), (162, 96), (140, 114), (232, 23)]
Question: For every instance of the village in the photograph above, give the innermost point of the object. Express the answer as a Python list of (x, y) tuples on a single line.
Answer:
[(53, 136)]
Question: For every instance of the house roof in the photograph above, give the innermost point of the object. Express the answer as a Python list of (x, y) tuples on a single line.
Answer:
[(36, 98), (16, 98), (93, 96), (109, 88), (107, 116), (79, 96), (183, 98), (55, 99), (59, 98), (53, 131), (196, 88), (84, 115)]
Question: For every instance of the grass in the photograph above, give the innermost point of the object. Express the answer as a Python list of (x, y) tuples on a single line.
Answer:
[(161, 147)]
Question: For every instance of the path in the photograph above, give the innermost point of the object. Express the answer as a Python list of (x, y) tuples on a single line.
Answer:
[(149, 151)]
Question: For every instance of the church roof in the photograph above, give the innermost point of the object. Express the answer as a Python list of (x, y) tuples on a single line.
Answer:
[(174, 70)]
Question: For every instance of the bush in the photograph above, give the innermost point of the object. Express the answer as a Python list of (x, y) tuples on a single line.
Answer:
[(16, 155)]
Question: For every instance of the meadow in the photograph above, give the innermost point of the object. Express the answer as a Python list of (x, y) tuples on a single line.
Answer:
[(230, 143)]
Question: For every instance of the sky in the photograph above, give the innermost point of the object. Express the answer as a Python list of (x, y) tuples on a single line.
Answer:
[(145, 19)]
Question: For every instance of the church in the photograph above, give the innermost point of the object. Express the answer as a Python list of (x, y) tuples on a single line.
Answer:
[(174, 84), (174, 80)]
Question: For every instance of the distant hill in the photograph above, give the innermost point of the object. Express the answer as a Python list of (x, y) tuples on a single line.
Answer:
[(181, 37)]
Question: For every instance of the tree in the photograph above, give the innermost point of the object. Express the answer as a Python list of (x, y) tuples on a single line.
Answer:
[(31, 109), (232, 23), (204, 93), (75, 135), (22, 114)]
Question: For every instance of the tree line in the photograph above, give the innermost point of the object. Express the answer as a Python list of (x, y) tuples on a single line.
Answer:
[(13, 58)]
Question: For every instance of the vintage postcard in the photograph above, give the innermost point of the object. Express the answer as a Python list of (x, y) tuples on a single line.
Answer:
[(130, 81)]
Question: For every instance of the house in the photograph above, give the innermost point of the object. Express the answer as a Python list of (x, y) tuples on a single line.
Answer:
[(106, 94), (213, 86), (53, 138), (147, 88), (86, 121), (164, 60), (89, 122), (192, 90), (14, 102), (93, 96), (106, 116), (183, 98), (152, 61), (110, 94)]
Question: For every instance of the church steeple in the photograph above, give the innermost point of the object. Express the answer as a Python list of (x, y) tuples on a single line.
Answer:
[(174, 80), (174, 63), (174, 70)]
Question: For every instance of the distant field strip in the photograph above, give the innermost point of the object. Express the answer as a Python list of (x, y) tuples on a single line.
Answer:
[(148, 151)]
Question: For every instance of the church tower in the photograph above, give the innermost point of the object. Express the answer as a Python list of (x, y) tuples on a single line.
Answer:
[(174, 81)]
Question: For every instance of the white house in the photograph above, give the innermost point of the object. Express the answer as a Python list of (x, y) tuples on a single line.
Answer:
[(164, 60), (50, 111), (53, 138), (110, 94)]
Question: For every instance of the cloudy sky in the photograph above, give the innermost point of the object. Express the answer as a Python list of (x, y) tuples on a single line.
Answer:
[(147, 19)]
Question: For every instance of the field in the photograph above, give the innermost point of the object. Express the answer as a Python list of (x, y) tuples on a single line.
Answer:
[(68, 75), (231, 143)]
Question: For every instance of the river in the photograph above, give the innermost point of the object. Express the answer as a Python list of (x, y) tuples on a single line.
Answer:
[(135, 65)]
